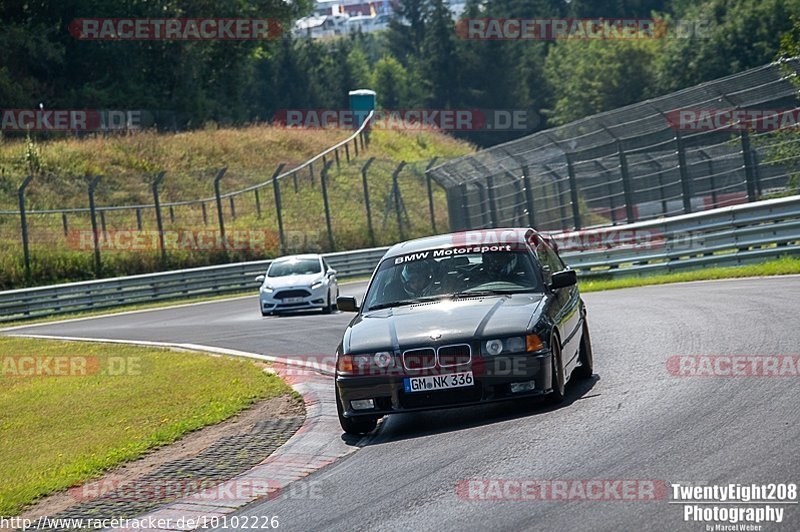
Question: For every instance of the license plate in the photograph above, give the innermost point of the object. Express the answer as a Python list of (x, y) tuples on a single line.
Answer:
[(293, 300), (438, 382)]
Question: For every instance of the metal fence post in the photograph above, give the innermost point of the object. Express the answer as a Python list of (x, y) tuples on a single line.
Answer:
[(347, 151), (311, 172), (748, 166), (355, 145), (573, 192), (336, 154), (171, 215), (220, 214), (528, 188), (24, 224), (159, 221), (93, 215), (233, 207), (429, 183), (366, 200), (493, 221), (686, 186), (204, 212), (138, 219), (626, 184), (64, 223), (467, 219), (396, 193), (323, 176), (258, 204), (276, 189)]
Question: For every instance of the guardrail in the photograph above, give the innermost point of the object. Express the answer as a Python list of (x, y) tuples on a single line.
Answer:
[(166, 286), (728, 236), (721, 237)]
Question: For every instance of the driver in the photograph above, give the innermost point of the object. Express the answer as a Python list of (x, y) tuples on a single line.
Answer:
[(499, 266), (417, 278)]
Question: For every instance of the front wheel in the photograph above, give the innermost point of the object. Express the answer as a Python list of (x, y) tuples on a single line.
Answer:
[(355, 426), (327, 308), (557, 377), (586, 369)]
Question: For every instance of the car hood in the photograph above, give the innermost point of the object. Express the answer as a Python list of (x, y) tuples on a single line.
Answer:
[(290, 281), (456, 321)]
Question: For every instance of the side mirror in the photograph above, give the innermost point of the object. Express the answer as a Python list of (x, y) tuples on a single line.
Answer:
[(346, 304), (260, 279), (331, 273), (563, 279)]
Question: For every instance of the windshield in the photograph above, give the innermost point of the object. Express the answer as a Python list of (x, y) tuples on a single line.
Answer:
[(423, 277), (294, 267)]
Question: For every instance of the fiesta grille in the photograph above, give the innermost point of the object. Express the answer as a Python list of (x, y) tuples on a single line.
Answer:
[(283, 294)]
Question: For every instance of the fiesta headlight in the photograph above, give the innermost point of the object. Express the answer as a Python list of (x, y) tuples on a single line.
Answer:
[(267, 288)]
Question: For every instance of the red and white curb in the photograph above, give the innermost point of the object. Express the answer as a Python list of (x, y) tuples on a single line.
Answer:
[(316, 444)]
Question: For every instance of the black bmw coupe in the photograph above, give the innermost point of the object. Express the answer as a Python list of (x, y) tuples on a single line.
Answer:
[(460, 319)]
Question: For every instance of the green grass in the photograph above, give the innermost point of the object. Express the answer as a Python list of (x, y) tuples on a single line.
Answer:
[(128, 164), (56, 432), (783, 266)]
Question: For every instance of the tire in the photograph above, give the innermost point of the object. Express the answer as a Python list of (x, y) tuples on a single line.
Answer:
[(265, 314), (355, 426), (585, 356), (557, 367), (327, 308)]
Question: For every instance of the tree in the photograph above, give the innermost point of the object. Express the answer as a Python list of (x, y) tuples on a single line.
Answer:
[(407, 30), (591, 76), (439, 61), (740, 34), (389, 80)]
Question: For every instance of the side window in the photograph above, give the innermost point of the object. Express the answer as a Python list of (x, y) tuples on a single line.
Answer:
[(549, 260)]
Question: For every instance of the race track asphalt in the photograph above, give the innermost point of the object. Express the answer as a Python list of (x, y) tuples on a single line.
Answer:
[(633, 420)]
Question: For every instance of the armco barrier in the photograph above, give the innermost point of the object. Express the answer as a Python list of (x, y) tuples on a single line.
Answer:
[(727, 236), (195, 282)]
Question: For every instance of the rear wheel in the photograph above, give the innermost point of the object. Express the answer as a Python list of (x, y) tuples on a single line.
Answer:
[(355, 426), (586, 369), (557, 377)]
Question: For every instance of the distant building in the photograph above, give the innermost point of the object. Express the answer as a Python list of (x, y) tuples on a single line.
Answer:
[(339, 17)]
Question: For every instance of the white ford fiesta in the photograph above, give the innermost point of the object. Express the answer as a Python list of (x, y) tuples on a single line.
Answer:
[(298, 282)]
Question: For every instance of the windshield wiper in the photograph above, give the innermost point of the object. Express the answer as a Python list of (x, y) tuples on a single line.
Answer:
[(477, 293), (403, 302)]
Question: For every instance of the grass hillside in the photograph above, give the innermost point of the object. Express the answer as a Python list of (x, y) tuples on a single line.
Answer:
[(62, 168)]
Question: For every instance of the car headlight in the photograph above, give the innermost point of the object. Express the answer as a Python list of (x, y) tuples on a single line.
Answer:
[(515, 344), (365, 364), (267, 288), (316, 284)]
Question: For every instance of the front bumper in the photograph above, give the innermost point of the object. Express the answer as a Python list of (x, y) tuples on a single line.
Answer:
[(315, 300), (493, 378)]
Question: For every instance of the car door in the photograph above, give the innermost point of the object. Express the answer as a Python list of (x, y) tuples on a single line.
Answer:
[(568, 315)]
